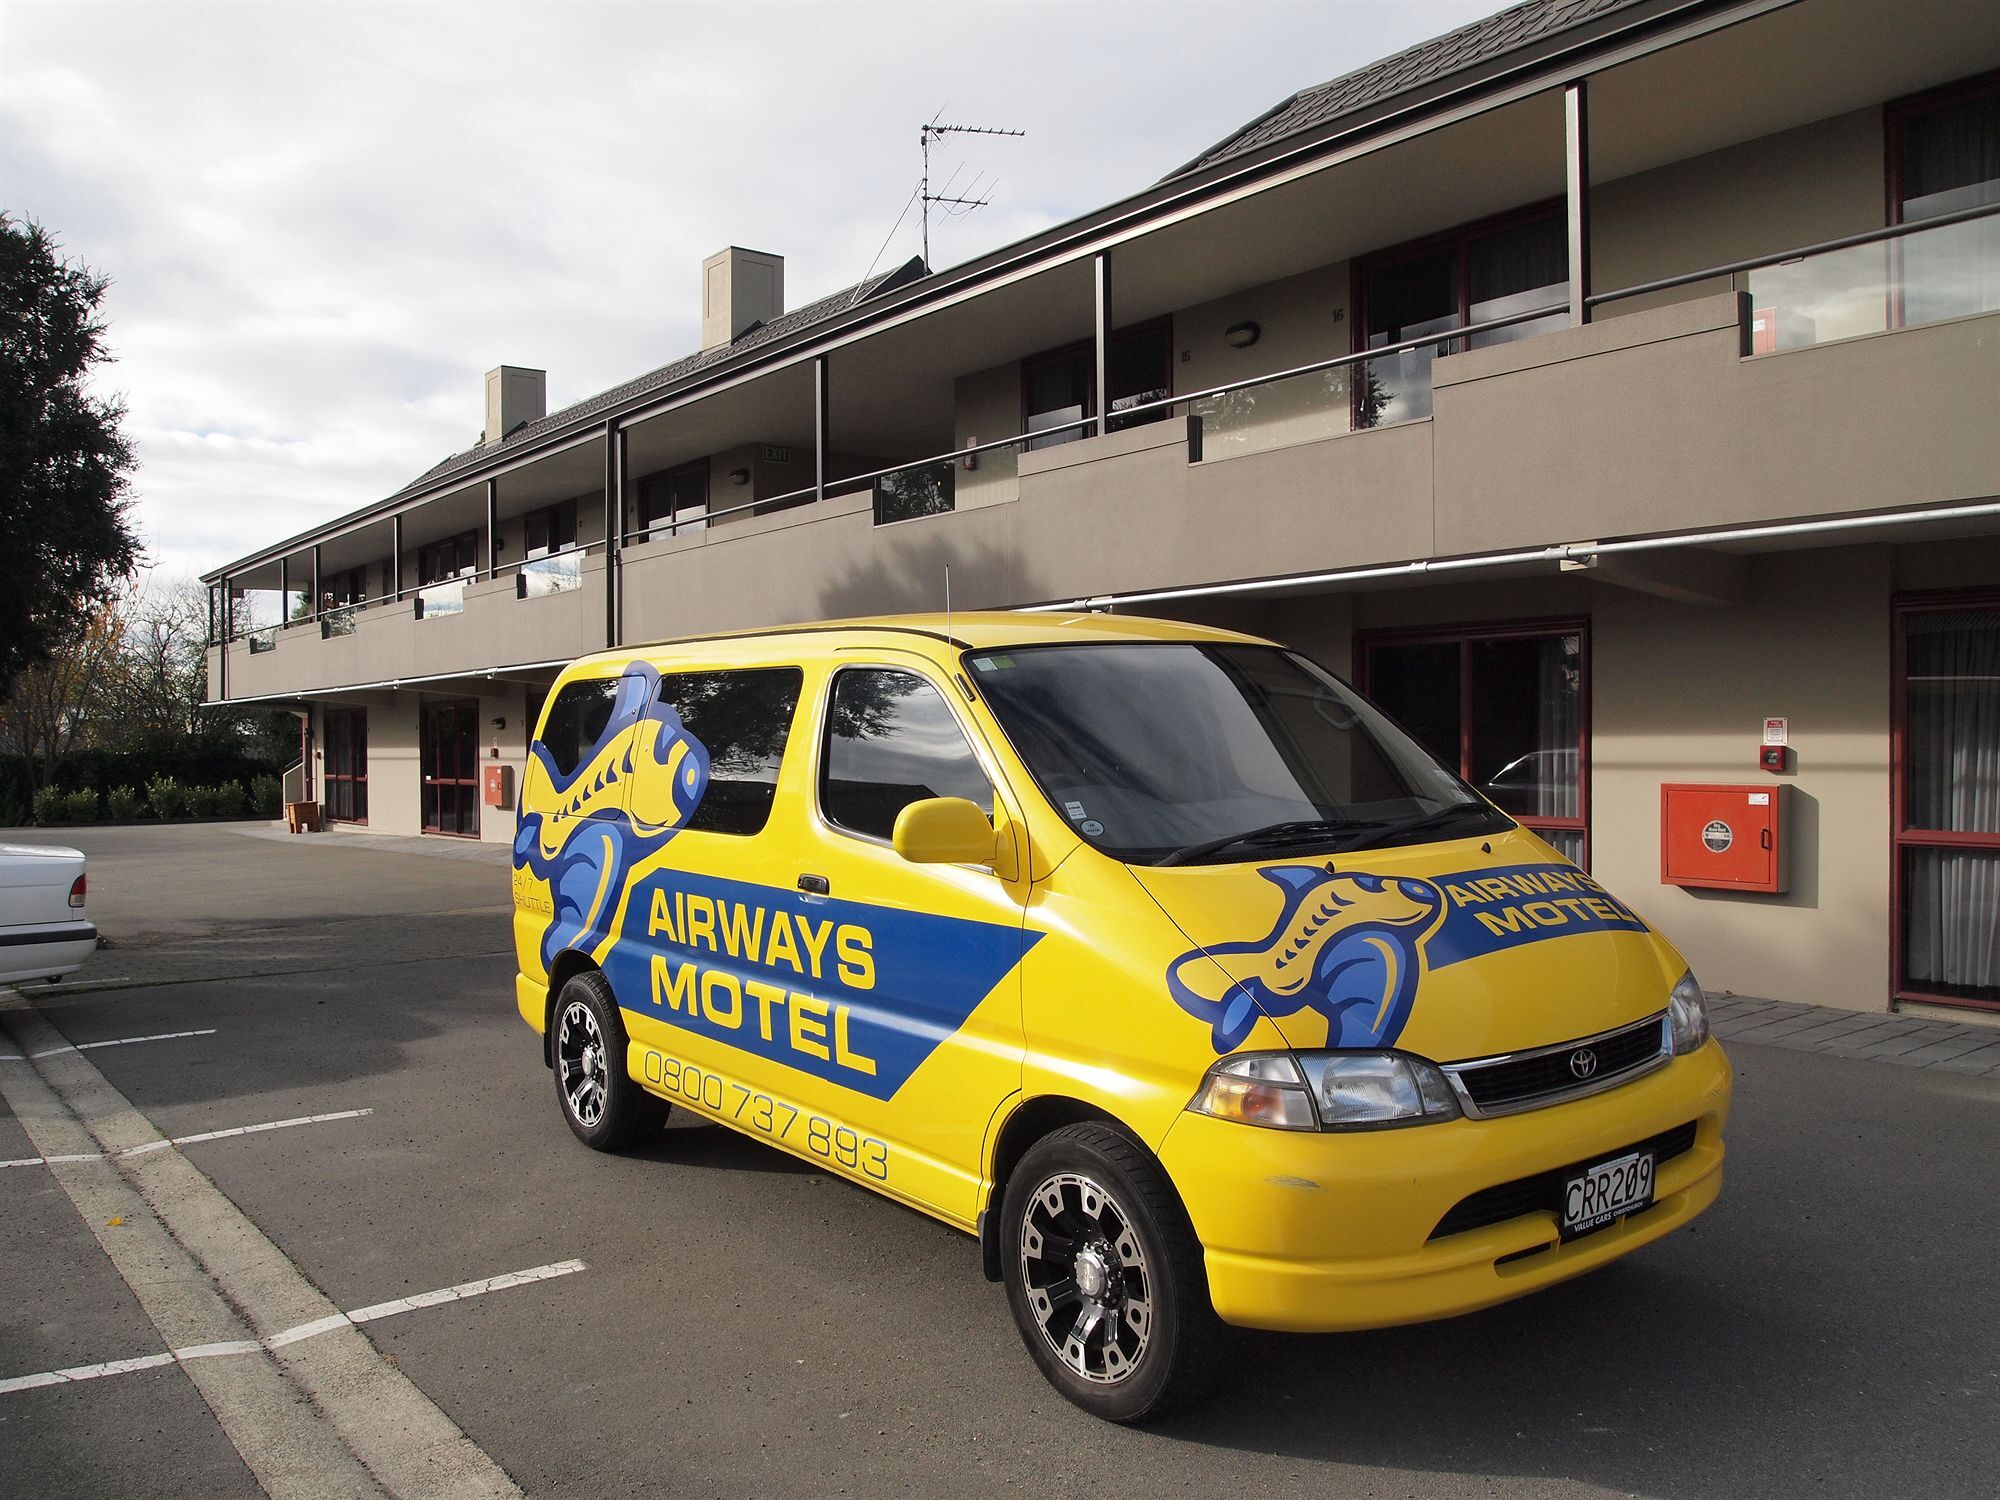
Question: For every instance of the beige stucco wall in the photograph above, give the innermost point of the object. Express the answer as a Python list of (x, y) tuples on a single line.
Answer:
[(1679, 693), (395, 783)]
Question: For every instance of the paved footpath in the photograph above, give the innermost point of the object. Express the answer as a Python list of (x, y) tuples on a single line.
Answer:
[(1907, 1041)]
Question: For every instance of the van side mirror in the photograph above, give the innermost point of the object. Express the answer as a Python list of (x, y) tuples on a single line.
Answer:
[(944, 831)]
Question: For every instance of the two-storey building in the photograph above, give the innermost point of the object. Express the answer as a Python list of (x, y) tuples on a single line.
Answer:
[(1593, 384)]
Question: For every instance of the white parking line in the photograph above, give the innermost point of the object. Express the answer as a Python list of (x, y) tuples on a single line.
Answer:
[(122, 1041), (294, 1335), (192, 1140)]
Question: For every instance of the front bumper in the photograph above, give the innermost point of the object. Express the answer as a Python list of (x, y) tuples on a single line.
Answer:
[(1322, 1232)]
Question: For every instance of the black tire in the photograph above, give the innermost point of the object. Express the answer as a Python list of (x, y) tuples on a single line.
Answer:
[(1105, 1276), (602, 1104)]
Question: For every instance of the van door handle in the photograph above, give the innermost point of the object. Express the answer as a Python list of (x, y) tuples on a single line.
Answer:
[(814, 885)]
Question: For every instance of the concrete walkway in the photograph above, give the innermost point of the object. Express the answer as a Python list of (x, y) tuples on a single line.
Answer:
[(1908, 1041)]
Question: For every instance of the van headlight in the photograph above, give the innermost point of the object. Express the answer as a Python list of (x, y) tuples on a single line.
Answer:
[(1257, 1088), (1326, 1090), (1687, 1015)]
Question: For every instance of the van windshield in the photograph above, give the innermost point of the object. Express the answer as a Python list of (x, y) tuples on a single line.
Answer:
[(1169, 753)]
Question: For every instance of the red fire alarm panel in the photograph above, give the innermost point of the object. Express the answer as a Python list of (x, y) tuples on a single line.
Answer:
[(499, 786), (1727, 838)]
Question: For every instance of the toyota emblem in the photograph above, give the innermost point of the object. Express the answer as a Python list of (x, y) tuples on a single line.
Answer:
[(1583, 1062)]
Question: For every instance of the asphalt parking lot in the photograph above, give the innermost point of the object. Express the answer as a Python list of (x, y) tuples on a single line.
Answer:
[(742, 1325)]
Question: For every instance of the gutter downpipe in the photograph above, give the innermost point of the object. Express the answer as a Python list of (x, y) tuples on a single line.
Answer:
[(1564, 552)]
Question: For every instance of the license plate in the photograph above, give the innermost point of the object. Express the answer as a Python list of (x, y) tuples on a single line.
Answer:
[(1606, 1192)]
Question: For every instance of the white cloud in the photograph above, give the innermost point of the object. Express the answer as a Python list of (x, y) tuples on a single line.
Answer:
[(324, 222)]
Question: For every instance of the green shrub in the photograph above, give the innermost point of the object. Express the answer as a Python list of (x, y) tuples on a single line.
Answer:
[(81, 806), (125, 805), (266, 796), (168, 797), (223, 801), (51, 806)]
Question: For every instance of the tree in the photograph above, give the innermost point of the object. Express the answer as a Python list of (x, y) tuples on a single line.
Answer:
[(155, 688), (66, 538), (55, 701)]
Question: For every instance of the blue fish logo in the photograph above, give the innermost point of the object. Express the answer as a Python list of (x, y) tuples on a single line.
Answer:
[(1345, 945), (635, 789)]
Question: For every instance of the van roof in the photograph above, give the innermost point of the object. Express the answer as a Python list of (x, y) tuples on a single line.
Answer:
[(972, 629)]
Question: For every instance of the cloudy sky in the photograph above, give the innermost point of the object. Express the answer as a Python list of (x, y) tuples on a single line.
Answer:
[(324, 223)]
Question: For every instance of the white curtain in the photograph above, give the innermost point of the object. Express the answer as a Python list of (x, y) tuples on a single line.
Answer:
[(1952, 896)]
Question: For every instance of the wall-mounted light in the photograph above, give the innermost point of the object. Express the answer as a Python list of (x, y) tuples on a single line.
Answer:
[(1242, 335), (739, 477), (499, 724)]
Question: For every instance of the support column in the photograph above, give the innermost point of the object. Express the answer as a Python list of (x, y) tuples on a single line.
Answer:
[(284, 593), (319, 593), (1102, 284), (1576, 153), (492, 526), (396, 558), (822, 425), (614, 451)]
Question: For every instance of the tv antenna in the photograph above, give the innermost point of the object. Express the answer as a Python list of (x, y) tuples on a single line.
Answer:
[(975, 194)]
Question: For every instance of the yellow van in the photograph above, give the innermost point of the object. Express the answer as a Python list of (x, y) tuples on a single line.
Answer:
[(1152, 955)]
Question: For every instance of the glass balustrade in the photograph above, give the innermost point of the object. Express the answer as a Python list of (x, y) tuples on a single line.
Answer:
[(1928, 276), (1277, 414), (558, 573), (438, 599)]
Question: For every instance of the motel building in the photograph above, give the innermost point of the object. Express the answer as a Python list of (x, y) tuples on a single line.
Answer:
[(1611, 388)]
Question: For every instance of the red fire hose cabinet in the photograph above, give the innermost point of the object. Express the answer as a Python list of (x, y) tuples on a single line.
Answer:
[(1725, 838)]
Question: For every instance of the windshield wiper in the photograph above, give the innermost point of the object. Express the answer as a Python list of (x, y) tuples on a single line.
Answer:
[(1290, 832), (1377, 834)]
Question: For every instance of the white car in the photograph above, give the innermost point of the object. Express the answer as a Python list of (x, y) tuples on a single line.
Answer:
[(44, 933)]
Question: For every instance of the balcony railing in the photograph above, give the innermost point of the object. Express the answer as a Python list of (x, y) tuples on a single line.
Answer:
[(555, 573), (1902, 276), (435, 600), (1927, 276)]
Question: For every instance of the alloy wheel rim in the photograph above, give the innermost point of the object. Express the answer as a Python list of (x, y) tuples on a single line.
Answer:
[(1085, 1274), (581, 1064)]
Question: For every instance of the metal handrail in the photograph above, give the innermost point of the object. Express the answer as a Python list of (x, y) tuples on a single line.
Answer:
[(1785, 257), (671, 527), (574, 549), (957, 453), (1361, 357)]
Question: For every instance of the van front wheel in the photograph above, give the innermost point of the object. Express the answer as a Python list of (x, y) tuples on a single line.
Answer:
[(1104, 1275), (601, 1103)]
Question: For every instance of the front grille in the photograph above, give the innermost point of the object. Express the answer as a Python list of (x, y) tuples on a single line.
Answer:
[(1545, 1075), (1510, 1200)]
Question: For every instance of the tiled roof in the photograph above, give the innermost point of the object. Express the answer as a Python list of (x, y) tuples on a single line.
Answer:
[(666, 375), (1427, 61)]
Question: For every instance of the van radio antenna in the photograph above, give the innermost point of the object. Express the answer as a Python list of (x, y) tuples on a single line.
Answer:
[(947, 600), (975, 196)]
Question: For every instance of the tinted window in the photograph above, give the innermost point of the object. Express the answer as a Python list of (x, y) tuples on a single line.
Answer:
[(576, 719), (743, 720), (891, 740)]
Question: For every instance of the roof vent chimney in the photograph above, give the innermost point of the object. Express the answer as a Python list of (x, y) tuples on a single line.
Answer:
[(739, 288), (514, 398)]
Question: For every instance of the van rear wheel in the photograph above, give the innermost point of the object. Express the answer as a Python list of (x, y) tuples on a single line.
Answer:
[(1104, 1275), (602, 1104)]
